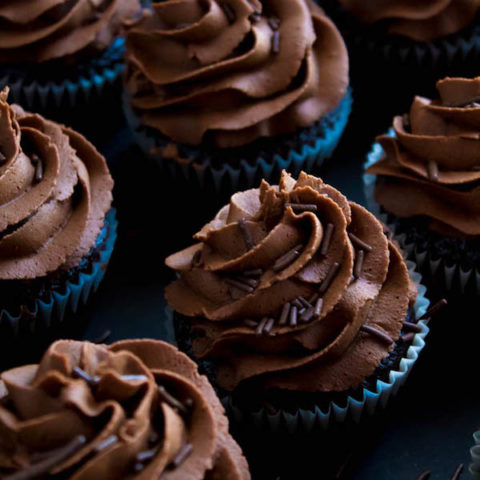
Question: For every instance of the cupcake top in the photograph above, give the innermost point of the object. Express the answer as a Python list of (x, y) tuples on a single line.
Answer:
[(293, 286), (431, 167), (229, 72), (417, 20), (135, 410), (55, 189), (41, 30)]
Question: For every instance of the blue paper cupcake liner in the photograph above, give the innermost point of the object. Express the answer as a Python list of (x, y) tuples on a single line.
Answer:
[(449, 278), (354, 410), (228, 178), (474, 467), (69, 86), (69, 297)]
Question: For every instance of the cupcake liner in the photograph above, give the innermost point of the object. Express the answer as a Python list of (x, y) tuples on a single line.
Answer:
[(308, 420), (67, 298), (447, 277), (228, 178), (71, 86), (474, 467)]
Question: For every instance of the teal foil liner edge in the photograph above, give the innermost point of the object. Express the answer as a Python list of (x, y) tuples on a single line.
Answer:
[(355, 410), (69, 92), (453, 278), (230, 178), (73, 295), (474, 467)]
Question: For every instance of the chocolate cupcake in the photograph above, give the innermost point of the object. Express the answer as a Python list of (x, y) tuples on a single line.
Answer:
[(57, 231), (135, 410), (427, 184), (400, 49), (57, 54), (227, 93), (299, 300)]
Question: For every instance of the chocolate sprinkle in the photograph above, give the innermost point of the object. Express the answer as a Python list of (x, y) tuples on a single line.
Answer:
[(377, 333), (3, 158), (106, 443), (408, 337), (293, 316), (240, 285), (359, 258), (359, 243), (242, 224), (285, 314), (297, 303), (269, 325), (276, 42), (318, 307), (307, 315), (182, 456), (274, 23), (287, 259), (305, 303), (255, 17), (328, 279), (302, 207), (313, 299), (412, 326), (424, 475), (57, 457), (103, 337), (146, 456), (248, 281), (432, 170), (79, 373), (170, 400), (327, 239), (253, 273), (261, 326), (433, 310), (458, 471), (38, 172), (229, 12), (250, 323)]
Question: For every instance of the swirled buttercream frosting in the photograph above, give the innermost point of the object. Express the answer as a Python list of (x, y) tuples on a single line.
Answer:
[(134, 410), (420, 21), (55, 189), (41, 30), (431, 167), (231, 71), (294, 286)]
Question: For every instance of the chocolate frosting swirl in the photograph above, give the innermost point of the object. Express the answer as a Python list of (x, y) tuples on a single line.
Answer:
[(133, 408), (41, 30), (431, 167), (321, 272), (234, 71), (420, 21), (55, 189)]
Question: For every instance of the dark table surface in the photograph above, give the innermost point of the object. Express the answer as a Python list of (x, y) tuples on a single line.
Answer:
[(429, 426)]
